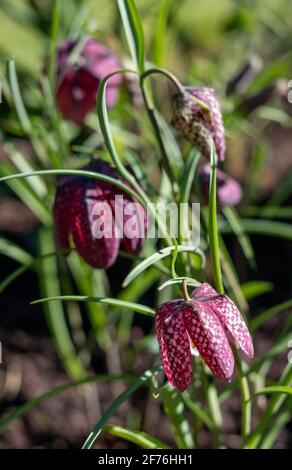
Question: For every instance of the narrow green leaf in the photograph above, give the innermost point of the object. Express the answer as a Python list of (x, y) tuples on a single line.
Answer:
[(142, 439), (31, 404), (174, 408), (179, 280), (56, 17), (89, 174), (160, 33), (10, 249), (261, 227), (274, 405), (48, 277), (17, 98), (11, 277), (199, 411), (152, 259), (252, 289), (273, 389), (133, 30), (188, 175), (104, 300), (261, 318), (243, 239), (22, 189), (117, 403)]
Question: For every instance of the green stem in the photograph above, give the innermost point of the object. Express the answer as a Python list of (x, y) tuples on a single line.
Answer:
[(167, 74), (213, 228), (151, 114), (245, 396), (109, 143), (216, 266)]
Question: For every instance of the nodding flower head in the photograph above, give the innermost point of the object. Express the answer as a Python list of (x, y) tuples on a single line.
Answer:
[(98, 216), (197, 116), (229, 191), (208, 322), (78, 77)]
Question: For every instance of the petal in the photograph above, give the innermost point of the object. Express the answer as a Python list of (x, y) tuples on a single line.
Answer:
[(174, 344), (232, 320), (97, 252), (209, 337), (204, 290), (62, 209), (208, 96), (135, 226)]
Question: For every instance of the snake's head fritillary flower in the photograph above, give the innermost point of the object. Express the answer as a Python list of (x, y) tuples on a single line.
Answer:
[(197, 116), (98, 217), (209, 322), (229, 191), (78, 77)]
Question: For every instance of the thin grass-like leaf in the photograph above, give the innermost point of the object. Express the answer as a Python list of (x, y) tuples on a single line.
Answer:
[(141, 439), (88, 174), (267, 228), (252, 289), (17, 98), (174, 408), (133, 31), (117, 403), (104, 300), (188, 175), (263, 317), (31, 404), (152, 259), (273, 389), (48, 277), (12, 250), (243, 239)]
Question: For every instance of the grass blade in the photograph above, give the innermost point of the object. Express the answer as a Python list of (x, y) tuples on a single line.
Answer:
[(31, 404), (133, 30), (17, 98), (116, 404), (48, 276), (155, 257), (104, 300), (174, 408), (142, 439), (263, 317)]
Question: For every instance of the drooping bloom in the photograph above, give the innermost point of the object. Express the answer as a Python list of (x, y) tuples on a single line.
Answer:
[(229, 191), (199, 123), (78, 77), (209, 322), (98, 216)]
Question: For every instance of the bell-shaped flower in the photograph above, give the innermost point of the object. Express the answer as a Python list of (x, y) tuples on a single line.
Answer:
[(78, 77), (98, 216), (197, 116), (209, 322)]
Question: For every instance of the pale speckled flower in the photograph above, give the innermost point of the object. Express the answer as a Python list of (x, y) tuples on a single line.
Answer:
[(199, 124), (208, 321)]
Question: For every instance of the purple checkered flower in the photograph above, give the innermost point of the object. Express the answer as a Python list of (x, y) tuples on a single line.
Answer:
[(78, 81), (209, 322)]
